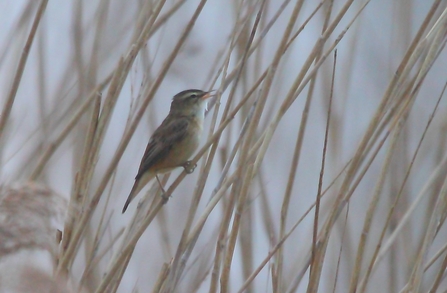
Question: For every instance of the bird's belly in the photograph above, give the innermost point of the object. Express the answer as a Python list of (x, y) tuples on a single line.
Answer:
[(181, 153), (187, 148)]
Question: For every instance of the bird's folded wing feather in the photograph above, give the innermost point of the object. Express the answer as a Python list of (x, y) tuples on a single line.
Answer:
[(170, 132)]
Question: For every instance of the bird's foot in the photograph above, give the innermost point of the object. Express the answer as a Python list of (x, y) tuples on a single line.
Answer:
[(163, 195), (189, 167)]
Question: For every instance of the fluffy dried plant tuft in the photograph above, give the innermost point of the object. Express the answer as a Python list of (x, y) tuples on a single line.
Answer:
[(29, 279), (30, 215)]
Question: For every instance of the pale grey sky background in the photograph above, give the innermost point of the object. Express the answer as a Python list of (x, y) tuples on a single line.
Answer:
[(367, 59)]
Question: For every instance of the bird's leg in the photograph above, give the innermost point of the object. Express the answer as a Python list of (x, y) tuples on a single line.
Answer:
[(189, 167), (163, 192)]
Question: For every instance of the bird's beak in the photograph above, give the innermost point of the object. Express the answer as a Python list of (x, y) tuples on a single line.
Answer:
[(206, 95)]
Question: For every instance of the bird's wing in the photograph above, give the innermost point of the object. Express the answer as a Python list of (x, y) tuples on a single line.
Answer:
[(170, 132)]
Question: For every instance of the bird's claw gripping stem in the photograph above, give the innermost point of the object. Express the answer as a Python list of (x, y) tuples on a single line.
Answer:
[(189, 167)]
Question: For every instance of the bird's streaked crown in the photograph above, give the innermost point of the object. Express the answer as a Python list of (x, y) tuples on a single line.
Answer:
[(192, 93)]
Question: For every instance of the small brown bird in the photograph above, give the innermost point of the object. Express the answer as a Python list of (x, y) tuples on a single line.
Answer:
[(174, 141)]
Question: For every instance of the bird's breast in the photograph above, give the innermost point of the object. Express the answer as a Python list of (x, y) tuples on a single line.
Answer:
[(189, 144)]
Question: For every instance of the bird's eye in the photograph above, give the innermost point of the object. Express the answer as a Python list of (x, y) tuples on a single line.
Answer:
[(193, 96)]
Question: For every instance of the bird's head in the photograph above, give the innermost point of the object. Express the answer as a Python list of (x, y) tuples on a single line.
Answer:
[(190, 102)]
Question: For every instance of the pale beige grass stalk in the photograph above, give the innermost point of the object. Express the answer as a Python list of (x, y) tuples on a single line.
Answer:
[(233, 226), (20, 68)]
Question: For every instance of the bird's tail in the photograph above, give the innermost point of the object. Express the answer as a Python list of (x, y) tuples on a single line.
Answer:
[(137, 186)]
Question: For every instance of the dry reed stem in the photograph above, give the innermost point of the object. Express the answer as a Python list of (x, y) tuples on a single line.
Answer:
[(21, 68), (239, 190), (323, 163), (70, 244), (124, 142), (117, 82), (279, 244), (64, 133), (373, 204), (250, 228), (94, 261), (175, 272), (296, 156), (424, 68), (364, 281), (218, 192), (362, 173), (416, 275)]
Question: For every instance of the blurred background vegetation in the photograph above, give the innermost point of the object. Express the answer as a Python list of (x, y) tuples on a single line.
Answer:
[(336, 183)]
